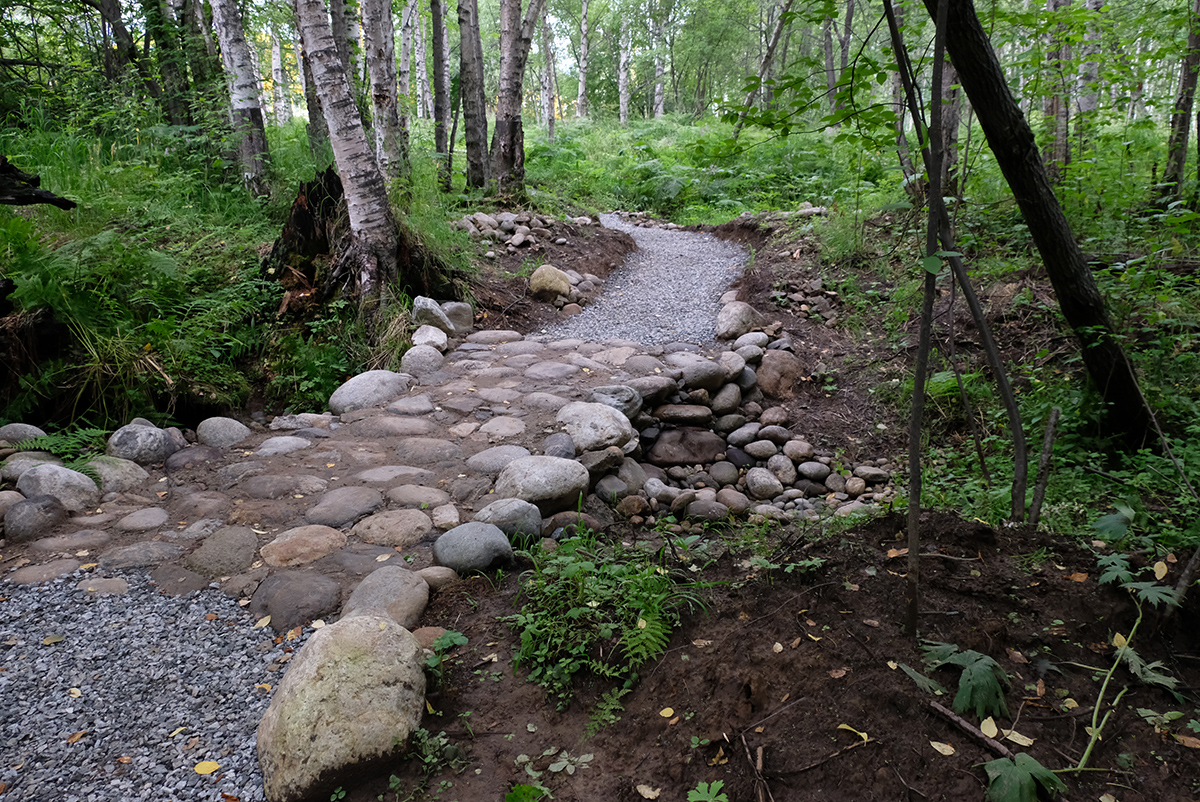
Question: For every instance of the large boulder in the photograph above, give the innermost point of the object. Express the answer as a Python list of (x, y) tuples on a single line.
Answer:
[(595, 427), (348, 703), (393, 590), (780, 374), (118, 475), (72, 488), (548, 282), (221, 432), (16, 464), (142, 444), (472, 546), (428, 312), (19, 432), (552, 483), (368, 389), (421, 360), (460, 314), (737, 318)]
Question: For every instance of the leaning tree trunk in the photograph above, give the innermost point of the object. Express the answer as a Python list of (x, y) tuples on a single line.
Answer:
[(508, 138), (391, 143), (474, 101), (581, 103), (441, 92), (370, 260), (1181, 115), (1011, 140), (623, 58), (245, 105), (765, 66)]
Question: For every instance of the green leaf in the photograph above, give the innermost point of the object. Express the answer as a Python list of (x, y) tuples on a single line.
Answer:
[(925, 683), (1153, 592), (947, 254), (1018, 780), (931, 264)]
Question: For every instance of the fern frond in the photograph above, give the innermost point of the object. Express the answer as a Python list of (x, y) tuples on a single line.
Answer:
[(647, 639)]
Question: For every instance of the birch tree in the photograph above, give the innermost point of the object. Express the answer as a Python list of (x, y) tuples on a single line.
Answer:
[(370, 261), (547, 84), (280, 93), (623, 59), (581, 103), (508, 137), (391, 141), (245, 106), (474, 101), (1181, 115)]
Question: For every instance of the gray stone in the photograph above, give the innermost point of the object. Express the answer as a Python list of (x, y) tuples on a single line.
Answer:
[(227, 551), (32, 518), (421, 360), (776, 434), (284, 444), (368, 389), (19, 432), (798, 450), (73, 489), (503, 426), (594, 427), (431, 336), (783, 468), (378, 427), (460, 315), (16, 464), (559, 444), (428, 312), (835, 482), (279, 485), (726, 424), (35, 574), (201, 504), (143, 520), (84, 539), (144, 445), (550, 371), (139, 555), (472, 546), (868, 473), (177, 580), (686, 447), (780, 373), (412, 405), (611, 489), (103, 586), (349, 701), (303, 420), (202, 528), (851, 508), (552, 483), (744, 435), (620, 397), (736, 501), (343, 505), (762, 484), (737, 318), (684, 414), (855, 486), (514, 517), (438, 576), (491, 461), (598, 463), (698, 372), (118, 475), (393, 473), (391, 589), (706, 510), (816, 471), (417, 496), (494, 336), (753, 354), (221, 432), (653, 389), (732, 363), (548, 282), (302, 545), (761, 449), (724, 473), (428, 450), (632, 474), (726, 400), (445, 517), (397, 528), (190, 457), (755, 338), (293, 598)]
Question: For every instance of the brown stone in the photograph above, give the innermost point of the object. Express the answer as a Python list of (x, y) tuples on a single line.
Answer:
[(780, 373)]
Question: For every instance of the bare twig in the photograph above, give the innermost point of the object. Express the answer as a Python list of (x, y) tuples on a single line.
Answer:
[(761, 789), (830, 757), (1043, 475), (970, 729)]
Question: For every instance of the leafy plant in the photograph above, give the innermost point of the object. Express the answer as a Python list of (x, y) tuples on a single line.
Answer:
[(527, 793), (1019, 779), (982, 683), (607, 711), (444, 643), (708, 792)]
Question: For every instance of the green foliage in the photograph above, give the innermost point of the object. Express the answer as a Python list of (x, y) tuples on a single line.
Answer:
[(446, 642), (708, 792), (72, 445), (607, 711), (982, 683), (1019, 779), (527, 793), (586, 611)]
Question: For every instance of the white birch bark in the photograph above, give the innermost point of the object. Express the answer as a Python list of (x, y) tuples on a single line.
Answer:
[(406, 41), (371, 258), (280, 93), (508, 138), (623, 59), (424, 96), (245, 105), (379, 50), (549, 110), (581, 103)]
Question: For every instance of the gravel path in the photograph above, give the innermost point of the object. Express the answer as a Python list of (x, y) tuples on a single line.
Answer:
[(119, 697), (667, 290)]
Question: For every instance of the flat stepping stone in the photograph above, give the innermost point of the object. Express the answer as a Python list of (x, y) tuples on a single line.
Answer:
[(367, 390), (304, 420), (139, 555), (201, 504), (392, 426), (360, 559), (76, 541), (393, 473), (491, 461), (142, 520), (202, 528), (499, 395), (302, 545), (104, 586), (413, 405), (428, 450), (343, 505), (552, 371), (615, 357), (503, 426), (35, 574), (229, 550), (281, 485), (397, 528), (284, 444), (461, 404), (519, 347), (547, 401), (293, 598), (494, 336), (192, 456), (177, 580), (417, 496)]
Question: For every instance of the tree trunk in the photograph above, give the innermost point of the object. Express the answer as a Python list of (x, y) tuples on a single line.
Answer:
[(549, 110), (198, 43), (914, 182), (424, 96), (371, 258), (658, 26), (317, 129), (407, 30), (1056, 108), (126, 48), (391, 141), (1089, 70), (623, 59), (951, 118), (1011, 140), (441, 91), (830, 66), (279, 83), (508, 138), (1181, 115), (474, 100), (160, 24), (581, 104), (768, 56), (245, 105)]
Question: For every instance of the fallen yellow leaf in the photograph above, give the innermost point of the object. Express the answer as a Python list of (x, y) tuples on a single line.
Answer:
[(988, 727), (1070, 704), (383, 558), (88, 566), (700, 644), (1119, 640), (263, 686), (75, 736), (52, 639), (893, 665), (871, 622), (318, 624), (894, 553), (207, 766), (294, 633), (720, 759), (176, 731), (262, 622), (848, 728), (777, 648), (667, 712), (124, 759), (838, 673), (1160, 570), (1188, 741), (75, 693), (1018, 738), (945, 749), (1078, 576), (647, 792)]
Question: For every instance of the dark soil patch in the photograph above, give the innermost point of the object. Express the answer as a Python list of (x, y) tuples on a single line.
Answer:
[(761, 681)]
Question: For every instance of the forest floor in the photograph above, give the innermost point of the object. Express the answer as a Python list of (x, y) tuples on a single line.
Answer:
[(789, 686)]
